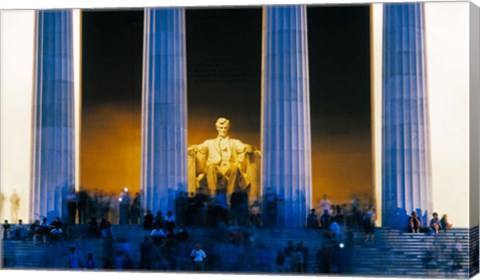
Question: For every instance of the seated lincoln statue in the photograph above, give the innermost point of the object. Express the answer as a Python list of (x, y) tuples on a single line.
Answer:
[(224, 165)]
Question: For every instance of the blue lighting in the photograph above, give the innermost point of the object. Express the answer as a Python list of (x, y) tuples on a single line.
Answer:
[(286, 150), (406, 171), (164, 124), (53, 135)]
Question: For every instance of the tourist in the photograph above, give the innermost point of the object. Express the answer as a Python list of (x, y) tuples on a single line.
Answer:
[(6, 230), (324, 204), (435, 224), (300, 255), (19, 231), (94, 204), (201, 208), (325, 220), (124, 206), (334, 228), (339, 218), (191, 210), (182, 233), (105, 229), (83, 199), (255, 214), (444, 223), (45, 227), (271, 208), (105, 205), (148, 221), (414, 223), (237, 203), (72, 205), (35, 232), (157, 235), (93, 228), (325, 257), (312, 220), (135, 209), (289, 257), (40, 233), (33, 228), (181, 207), (198, 257), (234, 234), (304, 250), (280, 261), (56, 229), (72, 259), (159, 220), (369, 224), (90, 264), (14, 205), (146, 249), (170, 223)]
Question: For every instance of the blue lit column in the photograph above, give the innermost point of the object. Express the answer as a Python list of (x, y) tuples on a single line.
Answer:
[(53, 159), (164, 125), (286, 145), (406, 171)]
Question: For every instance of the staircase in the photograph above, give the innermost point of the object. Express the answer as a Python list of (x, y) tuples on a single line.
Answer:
[(396, 253), (393, 253)]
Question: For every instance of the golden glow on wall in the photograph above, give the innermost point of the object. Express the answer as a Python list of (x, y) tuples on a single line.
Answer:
[(111, 149), (341, 166)]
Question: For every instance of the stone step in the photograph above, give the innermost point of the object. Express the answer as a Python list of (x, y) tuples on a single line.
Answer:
[(392, 253)]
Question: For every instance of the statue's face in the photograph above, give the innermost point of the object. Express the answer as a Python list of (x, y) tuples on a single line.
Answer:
[(222, 130)]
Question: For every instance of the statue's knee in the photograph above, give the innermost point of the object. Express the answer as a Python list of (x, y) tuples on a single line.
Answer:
[(235, 168), (211, 168)]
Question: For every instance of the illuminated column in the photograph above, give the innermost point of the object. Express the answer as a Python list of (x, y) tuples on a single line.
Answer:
[(405, 148), (53, 170), (164, 125), (286, 145)]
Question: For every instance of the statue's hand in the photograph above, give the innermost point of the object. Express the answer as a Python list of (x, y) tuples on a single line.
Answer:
[(191, 151)]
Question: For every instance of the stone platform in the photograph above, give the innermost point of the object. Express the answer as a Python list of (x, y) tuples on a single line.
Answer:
[(392, 253)]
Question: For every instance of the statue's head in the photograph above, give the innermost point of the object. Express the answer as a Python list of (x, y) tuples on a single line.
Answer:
[(222, 125)]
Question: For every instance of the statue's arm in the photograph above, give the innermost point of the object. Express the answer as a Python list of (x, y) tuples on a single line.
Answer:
[(249, 149), (200, 148), (246, 150)]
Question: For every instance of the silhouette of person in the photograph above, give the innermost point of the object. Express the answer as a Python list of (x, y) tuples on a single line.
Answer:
[(2, 203), (14, 205)]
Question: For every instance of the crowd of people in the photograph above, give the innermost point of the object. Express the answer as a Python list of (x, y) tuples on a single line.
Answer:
[(342, 220), (434, 226), (166, 241), (122, 209), (36, 231)]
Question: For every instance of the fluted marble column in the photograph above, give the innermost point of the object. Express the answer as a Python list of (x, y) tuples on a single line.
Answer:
[(164, 125), (406, 171), (286, 144), (53, 170)]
